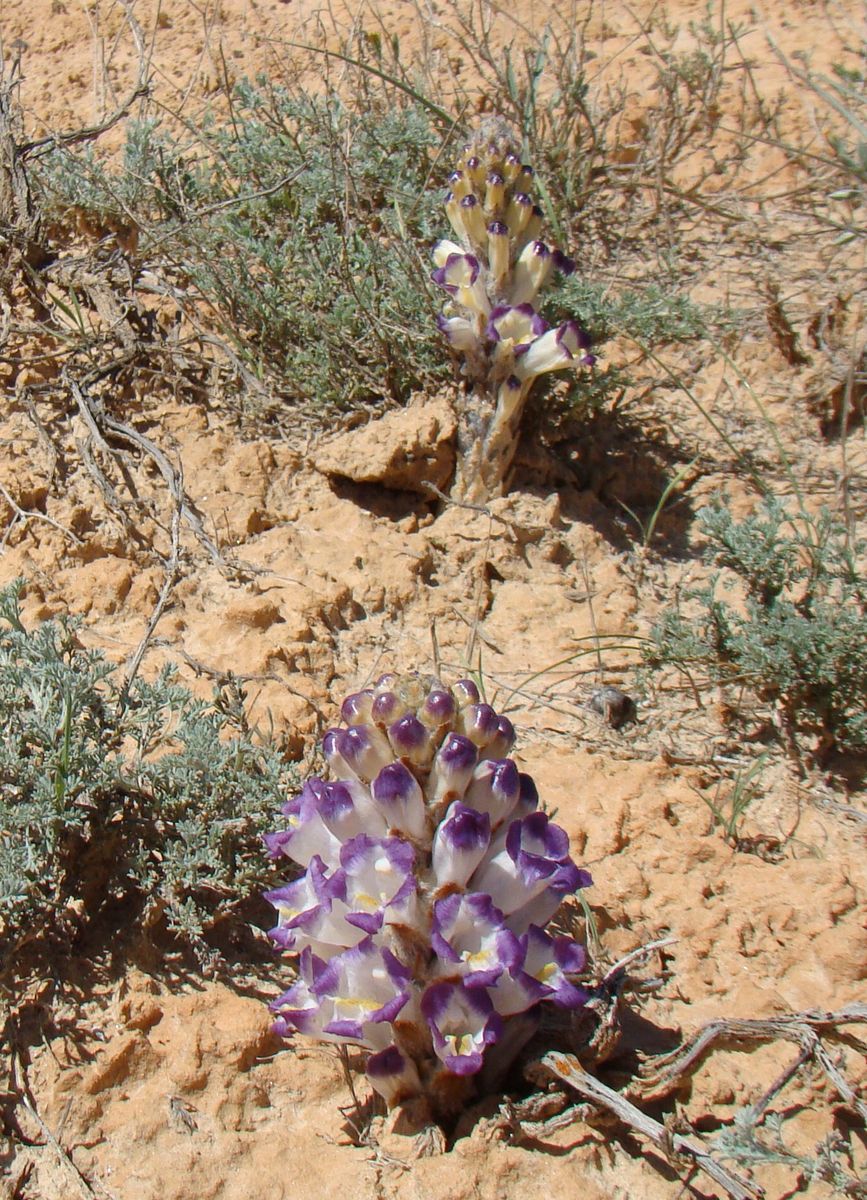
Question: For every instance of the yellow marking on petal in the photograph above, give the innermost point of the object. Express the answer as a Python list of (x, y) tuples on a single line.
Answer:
[(546, 972), (459, 1045), (351, 1004)]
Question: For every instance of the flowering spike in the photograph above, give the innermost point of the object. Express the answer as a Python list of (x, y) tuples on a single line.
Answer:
[(418, 922), (496, 262)]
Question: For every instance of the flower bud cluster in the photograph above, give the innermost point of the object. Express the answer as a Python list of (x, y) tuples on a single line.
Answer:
[(493, 273), (430, 874)]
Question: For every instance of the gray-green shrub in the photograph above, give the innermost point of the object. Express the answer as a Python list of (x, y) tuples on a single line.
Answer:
[(110, 796), (799, 640)]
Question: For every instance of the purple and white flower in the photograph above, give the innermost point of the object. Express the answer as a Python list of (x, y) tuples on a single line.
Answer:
[(353, 997), (531, 272), (462, 1023), (460, 843), (471, 940), (398, 797), (452, 767), (378, 884), (514, 327), (534, 849), (565, 346), (550, 960), (461, 276), (307, 835), (460, 333), (393, 1074), (494, 789)]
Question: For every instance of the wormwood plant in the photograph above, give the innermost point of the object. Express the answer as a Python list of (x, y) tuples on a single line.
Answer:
[(295, 228), (797, 634), (295, 223), (116, 796)]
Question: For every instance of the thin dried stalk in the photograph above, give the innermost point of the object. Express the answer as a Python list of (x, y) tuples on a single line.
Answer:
[(673, 1145)]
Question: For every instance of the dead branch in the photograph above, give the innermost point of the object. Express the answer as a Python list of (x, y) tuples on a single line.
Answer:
[(660, 1075), (63, 1156), (101, 424), (172, 571), (25, 515), (673, 1145), (23, 1094), (19, 220), (605, 1000), (88, 133)]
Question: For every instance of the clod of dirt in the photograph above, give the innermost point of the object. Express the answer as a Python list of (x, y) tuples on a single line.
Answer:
[(404, 450)]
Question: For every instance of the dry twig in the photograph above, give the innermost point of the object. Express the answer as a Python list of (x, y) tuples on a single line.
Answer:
[(101, 424), (673, 1145), (802, 1028)]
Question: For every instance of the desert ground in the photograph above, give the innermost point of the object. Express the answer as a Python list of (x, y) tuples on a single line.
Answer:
[(312, 556)]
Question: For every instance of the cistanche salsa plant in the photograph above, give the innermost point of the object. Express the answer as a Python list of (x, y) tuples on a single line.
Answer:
[(493, 274), (430, 876)]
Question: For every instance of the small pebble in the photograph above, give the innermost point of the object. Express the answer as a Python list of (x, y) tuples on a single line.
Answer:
[(614, 706)]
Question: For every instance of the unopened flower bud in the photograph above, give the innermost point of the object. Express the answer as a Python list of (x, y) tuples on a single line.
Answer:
[(495, 193)]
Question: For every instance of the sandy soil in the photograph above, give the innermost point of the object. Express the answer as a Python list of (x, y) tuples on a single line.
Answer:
[(173, 1087)]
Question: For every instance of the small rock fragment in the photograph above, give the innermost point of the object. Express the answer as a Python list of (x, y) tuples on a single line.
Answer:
[(615, 707)]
